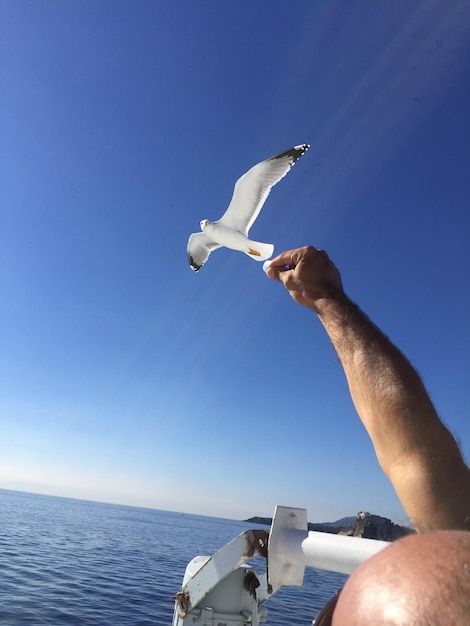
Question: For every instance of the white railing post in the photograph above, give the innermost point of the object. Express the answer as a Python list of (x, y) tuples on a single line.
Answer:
[(292, 547)]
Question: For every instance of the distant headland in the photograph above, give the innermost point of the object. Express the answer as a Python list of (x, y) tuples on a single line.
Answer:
[(364, 525)]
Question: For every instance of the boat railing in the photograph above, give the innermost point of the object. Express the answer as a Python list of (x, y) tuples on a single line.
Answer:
[(225, 589)]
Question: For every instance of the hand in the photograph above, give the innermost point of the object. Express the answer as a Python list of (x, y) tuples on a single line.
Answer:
[(308, 275)]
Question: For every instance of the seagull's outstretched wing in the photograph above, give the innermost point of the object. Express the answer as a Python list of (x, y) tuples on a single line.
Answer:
[(252, 189), (199, 248)]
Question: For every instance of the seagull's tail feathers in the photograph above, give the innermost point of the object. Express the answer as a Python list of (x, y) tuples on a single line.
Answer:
[(259, 251)]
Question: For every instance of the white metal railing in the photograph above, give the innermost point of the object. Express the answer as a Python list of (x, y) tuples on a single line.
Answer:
[(291, 547), (224, 587)]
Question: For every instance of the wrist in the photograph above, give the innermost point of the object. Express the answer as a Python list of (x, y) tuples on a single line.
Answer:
[(331, 304)]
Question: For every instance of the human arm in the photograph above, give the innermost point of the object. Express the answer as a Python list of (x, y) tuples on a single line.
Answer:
[(414, 448)]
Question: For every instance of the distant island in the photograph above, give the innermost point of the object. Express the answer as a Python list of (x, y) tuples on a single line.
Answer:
[(364, 525)]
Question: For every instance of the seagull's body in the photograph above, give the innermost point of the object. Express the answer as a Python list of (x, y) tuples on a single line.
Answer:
[(236, 240), (249, 195)]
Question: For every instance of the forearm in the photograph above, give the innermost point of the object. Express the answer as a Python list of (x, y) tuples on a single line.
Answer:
[(414, 448), (386, 390)]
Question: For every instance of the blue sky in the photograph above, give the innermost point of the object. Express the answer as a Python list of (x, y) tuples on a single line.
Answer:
[(125, 376)]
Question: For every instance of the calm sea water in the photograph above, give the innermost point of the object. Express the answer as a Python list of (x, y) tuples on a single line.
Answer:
[(66, 561)]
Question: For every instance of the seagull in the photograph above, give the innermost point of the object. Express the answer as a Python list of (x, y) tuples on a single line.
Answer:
[(249, 195)]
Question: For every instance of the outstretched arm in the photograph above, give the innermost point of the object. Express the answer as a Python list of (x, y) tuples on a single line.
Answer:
[(414, 448)]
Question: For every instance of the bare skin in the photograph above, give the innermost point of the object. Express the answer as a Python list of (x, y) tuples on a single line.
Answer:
[(419, 580), (414, 448)]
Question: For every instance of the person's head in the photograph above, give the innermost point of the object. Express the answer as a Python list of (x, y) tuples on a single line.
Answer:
[(421, 580)]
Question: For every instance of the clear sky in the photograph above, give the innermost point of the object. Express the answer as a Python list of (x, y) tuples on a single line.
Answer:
[(127, 377)]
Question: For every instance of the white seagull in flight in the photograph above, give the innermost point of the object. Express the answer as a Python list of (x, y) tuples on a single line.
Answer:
[(249, 195)]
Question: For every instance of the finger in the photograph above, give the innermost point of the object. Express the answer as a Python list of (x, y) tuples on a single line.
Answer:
[(276, 265), (284, 259), (276, 271), (291, 258), (287, 261)]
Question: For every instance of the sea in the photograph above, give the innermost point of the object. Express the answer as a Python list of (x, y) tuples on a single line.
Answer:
[(66, 561)]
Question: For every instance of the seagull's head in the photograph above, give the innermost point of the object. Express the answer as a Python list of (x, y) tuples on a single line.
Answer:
[(205, 223)]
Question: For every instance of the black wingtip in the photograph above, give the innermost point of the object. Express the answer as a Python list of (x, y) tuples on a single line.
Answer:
[(298, 151), (194, 266), (295, 153)]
